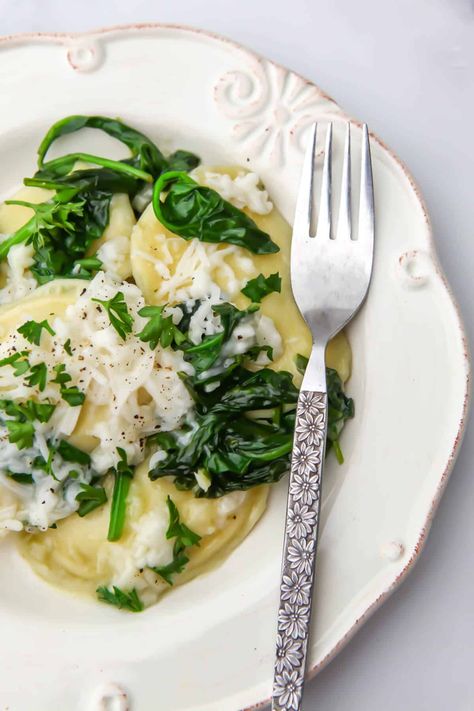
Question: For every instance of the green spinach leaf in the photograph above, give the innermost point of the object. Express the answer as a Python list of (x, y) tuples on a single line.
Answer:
[(192, 211)]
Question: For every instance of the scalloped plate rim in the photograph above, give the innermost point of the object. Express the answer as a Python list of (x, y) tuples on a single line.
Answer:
[(110, 31)]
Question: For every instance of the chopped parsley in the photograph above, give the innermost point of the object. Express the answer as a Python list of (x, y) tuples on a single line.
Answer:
[(124, 600), (67, 347), (32, 330), (185, 538), (38, 376), (71, 394), (20, 433), (256, 289), (18, 361), (159, 329), (90, 498), (20, 427), (117, 311)]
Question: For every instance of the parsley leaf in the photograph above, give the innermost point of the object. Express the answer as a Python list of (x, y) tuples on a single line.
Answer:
[(67, 347), (61, 376), (20, 427), (123, 476), (72, 454), (38, 376), (122, 599), (159, 329), (177, 565), (41, 411), (62, 229), (90, 498), (117, 310), (71, 394), (256, 289), (46, 464), (18, 361), (185, 538), (32, 330), (20, 433), (29, 410)]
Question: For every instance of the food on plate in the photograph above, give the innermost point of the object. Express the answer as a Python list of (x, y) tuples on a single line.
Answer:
[(150, 358)]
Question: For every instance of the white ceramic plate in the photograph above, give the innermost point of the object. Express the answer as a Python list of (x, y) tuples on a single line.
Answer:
[(209, 646)]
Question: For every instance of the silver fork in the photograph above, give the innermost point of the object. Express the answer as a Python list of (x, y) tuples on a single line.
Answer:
[(330, 276)]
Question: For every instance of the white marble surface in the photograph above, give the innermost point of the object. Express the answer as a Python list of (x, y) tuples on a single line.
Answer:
[(407, 68)]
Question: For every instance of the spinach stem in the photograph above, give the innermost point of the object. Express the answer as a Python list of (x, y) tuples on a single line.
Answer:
[(115, 165)]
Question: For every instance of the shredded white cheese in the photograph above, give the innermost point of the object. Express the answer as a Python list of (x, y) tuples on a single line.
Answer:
[(114, 254), (136, 389), (242, 191), (15, 273)]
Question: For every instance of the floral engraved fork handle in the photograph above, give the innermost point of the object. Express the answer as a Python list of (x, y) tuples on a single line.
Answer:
[(301, 535)]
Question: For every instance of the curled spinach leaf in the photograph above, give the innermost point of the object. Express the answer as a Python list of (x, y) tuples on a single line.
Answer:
[(146, 157), (192, 211)]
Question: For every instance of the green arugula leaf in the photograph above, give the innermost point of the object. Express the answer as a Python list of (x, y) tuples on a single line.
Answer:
[(123, 477), (90, 498), (117, 311), (159, 329), (185, 538), (124, 600), (193, 211), (31, 330), (38, 376), (256, 289)]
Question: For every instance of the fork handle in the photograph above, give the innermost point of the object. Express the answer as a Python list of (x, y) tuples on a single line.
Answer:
[(301, 537)]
